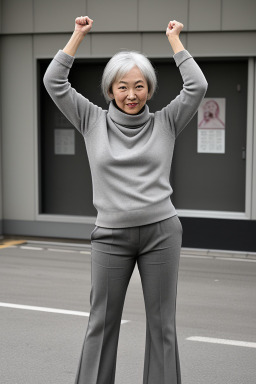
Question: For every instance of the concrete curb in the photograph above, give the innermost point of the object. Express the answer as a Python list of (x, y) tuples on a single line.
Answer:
[(218, 253), (193, 252)]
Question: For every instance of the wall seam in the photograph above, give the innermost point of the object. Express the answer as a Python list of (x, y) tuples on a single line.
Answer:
[(138, 13), (33, 16), (188, 15), (186, 32), (221, 15), (138, 27), (90, 33)]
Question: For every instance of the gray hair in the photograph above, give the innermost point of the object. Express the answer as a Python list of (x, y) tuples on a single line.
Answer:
[(121, 63)]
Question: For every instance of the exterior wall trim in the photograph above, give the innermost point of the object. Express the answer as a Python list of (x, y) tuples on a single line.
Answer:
[(66, 218), (249, 140), (253, 174), (212, 214)]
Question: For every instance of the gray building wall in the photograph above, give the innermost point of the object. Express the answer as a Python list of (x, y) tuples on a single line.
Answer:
[(33, 29)]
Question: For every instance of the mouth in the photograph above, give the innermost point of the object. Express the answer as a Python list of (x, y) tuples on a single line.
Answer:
[(132, 105)]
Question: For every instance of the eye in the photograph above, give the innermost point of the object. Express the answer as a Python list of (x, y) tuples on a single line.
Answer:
[(140, 86), (123, 87)]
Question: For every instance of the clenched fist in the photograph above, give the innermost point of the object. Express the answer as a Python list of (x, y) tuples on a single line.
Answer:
[(83, 24), (174, 28)]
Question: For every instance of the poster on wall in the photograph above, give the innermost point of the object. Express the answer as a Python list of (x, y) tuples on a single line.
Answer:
[(64, 141), (211, 126)]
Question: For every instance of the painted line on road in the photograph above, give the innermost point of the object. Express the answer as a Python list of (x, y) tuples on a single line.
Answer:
[(50, 310), (31, 248), (222, 341), (12, 243), (61, 250), (26, 247)]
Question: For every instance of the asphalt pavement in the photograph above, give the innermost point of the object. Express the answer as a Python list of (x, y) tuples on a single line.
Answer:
[(44, 309)]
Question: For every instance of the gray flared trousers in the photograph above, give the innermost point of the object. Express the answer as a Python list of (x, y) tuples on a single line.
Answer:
[(156, 249)]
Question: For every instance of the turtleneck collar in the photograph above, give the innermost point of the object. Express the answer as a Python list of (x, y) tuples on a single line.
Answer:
[(126, 120)]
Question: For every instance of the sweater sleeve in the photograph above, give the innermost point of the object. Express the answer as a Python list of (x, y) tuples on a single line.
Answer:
[(181, 110), (78, 110)]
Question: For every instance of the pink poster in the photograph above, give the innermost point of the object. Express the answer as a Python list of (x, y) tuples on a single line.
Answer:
[(211, 126)]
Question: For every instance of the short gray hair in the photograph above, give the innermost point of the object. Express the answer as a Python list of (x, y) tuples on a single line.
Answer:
[(121, 63)]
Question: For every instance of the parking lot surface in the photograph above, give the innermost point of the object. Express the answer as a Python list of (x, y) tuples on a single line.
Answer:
[(44, 309)]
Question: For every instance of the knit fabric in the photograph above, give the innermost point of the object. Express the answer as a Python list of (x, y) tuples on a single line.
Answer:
[(130, 156)]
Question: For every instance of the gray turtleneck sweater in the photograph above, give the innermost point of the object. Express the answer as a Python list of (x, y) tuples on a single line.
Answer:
[(130, 156)]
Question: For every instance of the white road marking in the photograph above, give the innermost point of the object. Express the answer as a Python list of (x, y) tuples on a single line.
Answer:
[(51, 310), (52, 249), (222, 341), (61, 250)]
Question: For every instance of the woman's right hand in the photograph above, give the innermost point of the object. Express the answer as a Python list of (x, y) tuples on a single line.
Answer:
[(83, 24)]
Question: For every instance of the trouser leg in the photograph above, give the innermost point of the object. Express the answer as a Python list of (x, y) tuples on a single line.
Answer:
[(112, 265), (158, 266)]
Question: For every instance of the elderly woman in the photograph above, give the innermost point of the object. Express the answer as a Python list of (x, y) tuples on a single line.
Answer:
[(130, 153)]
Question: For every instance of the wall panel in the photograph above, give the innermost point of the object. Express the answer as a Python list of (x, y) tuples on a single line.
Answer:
[(222, 44), (107, 44), (204, 15), (113, 16), (238, 15), (17, 16), (157, 44), (46, 46), (17, 128), (57, 15), (155, 15)]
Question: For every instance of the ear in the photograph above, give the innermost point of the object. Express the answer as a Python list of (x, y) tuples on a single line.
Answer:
[(111, 95)]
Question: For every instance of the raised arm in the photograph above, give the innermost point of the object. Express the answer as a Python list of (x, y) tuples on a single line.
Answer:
[(79, 110), (181, 110)]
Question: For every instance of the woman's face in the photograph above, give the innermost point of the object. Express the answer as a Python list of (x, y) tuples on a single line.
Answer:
[(131, 91)]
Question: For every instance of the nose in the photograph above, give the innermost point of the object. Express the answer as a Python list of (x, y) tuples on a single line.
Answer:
[(131, 94)]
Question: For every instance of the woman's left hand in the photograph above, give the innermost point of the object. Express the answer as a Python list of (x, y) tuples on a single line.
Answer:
[(174, 28)]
